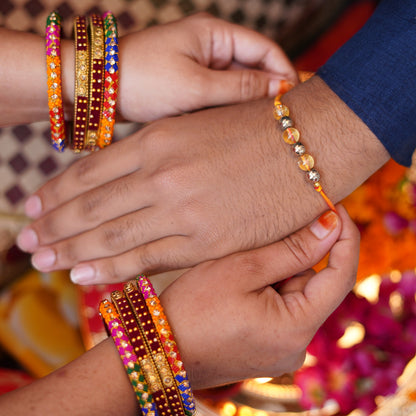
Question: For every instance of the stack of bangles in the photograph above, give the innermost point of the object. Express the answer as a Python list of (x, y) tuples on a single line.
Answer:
[(136, 321), (96, 82), (291, 136)]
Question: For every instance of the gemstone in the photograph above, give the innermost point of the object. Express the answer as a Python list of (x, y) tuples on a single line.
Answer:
[(291, 135), (306, 162), (279, 111)]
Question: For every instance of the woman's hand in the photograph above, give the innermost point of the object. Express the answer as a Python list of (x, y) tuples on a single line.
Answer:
[(199, 61), (231, 323)]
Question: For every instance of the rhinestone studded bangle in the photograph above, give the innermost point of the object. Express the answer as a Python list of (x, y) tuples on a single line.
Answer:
[(129, 358), (149, 332), (169, 344), (142, 351), (54, 79), (291, 136), (96, 31), (82, 69), (105, 135)]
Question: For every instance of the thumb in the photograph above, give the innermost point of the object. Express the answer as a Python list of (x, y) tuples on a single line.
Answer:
[(327, 289), (292, 255), (234, 86)]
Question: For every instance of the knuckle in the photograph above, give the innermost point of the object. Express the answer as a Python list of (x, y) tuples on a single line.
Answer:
[(146, 259), (116, 237), (83, 170), (250, 263), (89, 205), (299, 250), (250, 85)]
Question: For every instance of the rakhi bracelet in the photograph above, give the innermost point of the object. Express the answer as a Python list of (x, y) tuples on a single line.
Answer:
[(169, 344), (96, 31), (110, 81), (82, 69), (142, 351), (138, 304), (291, 136), (128, 357), (54, 79)]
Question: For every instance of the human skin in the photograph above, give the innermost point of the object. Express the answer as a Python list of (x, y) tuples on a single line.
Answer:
[(165, 70), (271, 327), (188, 189)]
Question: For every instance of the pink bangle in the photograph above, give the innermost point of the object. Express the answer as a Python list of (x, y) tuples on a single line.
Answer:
[(130, 361)]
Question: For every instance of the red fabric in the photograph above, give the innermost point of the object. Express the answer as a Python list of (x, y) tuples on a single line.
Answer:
[(343, 29)]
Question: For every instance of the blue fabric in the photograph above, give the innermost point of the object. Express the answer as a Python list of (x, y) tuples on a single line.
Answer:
[(374, 73)]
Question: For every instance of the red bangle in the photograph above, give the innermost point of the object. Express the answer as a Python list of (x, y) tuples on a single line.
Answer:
[(96, 31), (141, 349), (81, 83)]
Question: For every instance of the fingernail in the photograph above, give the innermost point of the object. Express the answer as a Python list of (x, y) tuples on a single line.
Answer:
[(44, 259), (82, 275), (274, 87), (27, 240), (33, 206), (323, 226), (285, 86)]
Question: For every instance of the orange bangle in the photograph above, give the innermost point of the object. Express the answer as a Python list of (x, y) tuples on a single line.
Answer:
[(110, 81), (54, 79)]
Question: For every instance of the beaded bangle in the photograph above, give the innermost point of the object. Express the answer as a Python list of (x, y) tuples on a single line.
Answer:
[(81, 83), (96, 31), (129, 358), (291, 136), (142, 350), (138, 304), (169, 344), (110, 81), (54, 79)]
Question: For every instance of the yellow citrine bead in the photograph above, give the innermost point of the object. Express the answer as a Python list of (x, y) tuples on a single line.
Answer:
[(306, 162), (291, 135), (279, 111)]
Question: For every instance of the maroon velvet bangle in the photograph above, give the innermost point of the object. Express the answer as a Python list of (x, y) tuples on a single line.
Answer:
[(81, 83), (96, 30), (142, 351)]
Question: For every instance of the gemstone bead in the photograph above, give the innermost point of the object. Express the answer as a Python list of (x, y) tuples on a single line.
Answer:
[(306, 162), (313, 175), (291, 135), (279, 111)]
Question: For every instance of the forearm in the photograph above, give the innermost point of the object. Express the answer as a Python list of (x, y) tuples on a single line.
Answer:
[(94, 384), (24, 99)]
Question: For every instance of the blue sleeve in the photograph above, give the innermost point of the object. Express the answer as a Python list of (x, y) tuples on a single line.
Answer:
[(374, 73)]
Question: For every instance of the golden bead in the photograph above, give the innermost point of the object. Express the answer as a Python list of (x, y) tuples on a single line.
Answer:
[(306, 162), (291, 135), (279, 111)]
